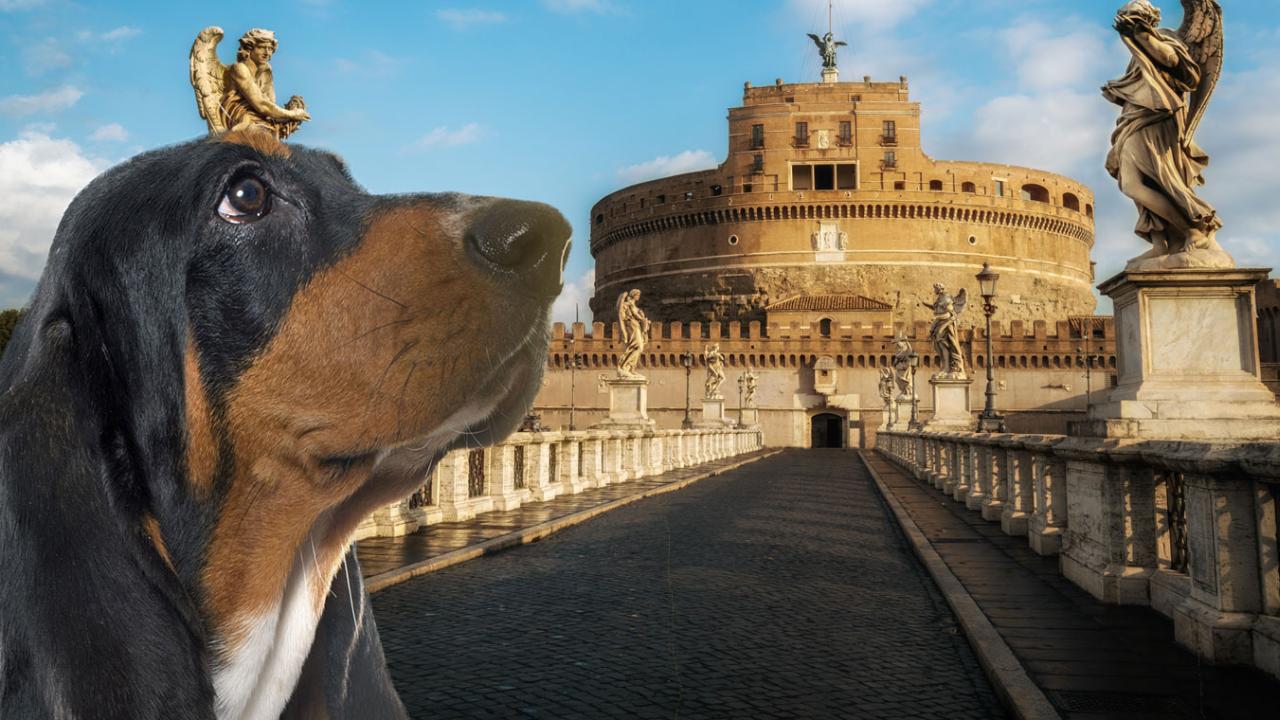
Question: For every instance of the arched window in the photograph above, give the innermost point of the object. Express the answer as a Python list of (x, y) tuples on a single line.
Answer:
[(935, 184), (1035, 193), (824, 327), (968, 187), (1071, 202)]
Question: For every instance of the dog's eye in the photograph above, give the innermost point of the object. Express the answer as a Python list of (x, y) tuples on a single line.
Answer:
[(247, 199)]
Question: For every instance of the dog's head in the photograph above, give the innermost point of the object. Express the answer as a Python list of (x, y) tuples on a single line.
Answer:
[(239, 351)]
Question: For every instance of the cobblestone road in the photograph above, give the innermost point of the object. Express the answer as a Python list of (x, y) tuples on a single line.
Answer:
[(779, 590)]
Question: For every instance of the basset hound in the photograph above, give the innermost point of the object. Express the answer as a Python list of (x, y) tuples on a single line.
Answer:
[(235, 354)]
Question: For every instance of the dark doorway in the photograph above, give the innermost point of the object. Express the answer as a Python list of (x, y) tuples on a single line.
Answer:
[(827, 431)]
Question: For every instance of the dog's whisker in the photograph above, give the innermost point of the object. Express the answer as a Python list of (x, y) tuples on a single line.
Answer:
[(375, 292)]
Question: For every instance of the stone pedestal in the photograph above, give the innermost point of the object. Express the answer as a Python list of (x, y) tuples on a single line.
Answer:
[(951, 405), (750, 417), (830, 75), (628, 404), (1188, 359), (713, 414)]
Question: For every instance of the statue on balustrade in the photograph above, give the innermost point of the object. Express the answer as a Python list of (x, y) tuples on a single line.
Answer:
[(945, 331), (715, 371), (753, 383), (887, 387), (1154, 156), (901, 373), (243, 94), (634, 328)]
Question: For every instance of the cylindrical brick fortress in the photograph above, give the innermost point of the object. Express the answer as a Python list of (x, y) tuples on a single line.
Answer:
[(826, 191)]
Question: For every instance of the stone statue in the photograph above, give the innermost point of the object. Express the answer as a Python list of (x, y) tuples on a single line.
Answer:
[(715, 371), (887, 382), (753, 383), (634, 327), (827, 45), (243, 94), (1154, 156), (945, 331), (901, 373)]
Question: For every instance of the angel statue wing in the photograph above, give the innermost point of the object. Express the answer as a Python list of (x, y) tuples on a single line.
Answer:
[(1201, 30), (959, 302), (206, 77), (623, 326), (817, 41), (841, 43)]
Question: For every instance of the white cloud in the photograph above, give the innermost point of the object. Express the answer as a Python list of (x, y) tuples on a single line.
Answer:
[(877, 14), (444, 137), (1049, 57), (1062, 131), (666, 165), (8, 5), (53, 100), (374, 63), (44, 56), (41, 176), (573, 7), (124, 32), (575, 297), (112, 132), (463, 18)]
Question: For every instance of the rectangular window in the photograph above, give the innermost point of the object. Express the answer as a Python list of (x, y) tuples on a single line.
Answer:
[(801, 177), (824, 177), (802, 134), (999, 188), (890, 159), (757, 137), (847, 177), (757, 164), (846, 132), (746, 187), (890, 129)]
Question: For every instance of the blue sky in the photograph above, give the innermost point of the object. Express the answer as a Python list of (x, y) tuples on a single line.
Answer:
[(564, 101)]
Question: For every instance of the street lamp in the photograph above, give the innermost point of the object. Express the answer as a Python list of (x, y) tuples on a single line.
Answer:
[(989, 420), (1087, 357), (913, 361), (575, 362), (742, 382), (686, 359)]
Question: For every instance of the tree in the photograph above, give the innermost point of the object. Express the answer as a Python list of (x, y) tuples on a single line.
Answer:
[(8, 321)]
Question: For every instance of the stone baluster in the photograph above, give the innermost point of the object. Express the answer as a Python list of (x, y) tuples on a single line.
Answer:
[(964, 467), (456, 502), (500, 476), (979, 475), (1021, 488), (1047, 524), (998, 479)]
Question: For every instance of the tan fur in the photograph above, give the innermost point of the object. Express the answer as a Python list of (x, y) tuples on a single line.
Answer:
[(151, 528), (374, 351), (202, 448), (258, 139)]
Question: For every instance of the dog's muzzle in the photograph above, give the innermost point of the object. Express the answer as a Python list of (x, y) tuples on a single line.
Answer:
[(526, 241)]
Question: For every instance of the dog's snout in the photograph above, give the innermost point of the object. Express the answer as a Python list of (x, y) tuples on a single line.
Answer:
[(527, 239)]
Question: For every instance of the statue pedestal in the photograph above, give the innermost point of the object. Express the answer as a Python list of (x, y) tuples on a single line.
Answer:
[(1187, 352), (830, 75), (628, 404), (713, 414), (951, 408), (750, 417)]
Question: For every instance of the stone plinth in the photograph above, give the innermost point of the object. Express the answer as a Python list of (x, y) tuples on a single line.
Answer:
[(628, 404), (951, 405), (713, 414), (1188, 359), (750, 417)]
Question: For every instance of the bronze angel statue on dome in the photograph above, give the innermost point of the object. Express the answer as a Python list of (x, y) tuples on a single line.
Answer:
[(827, 45), (1154, 156), (243, 94)]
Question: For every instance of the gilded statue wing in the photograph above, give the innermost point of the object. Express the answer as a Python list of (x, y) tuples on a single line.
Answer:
[(1201, 30), (206, 77), (959, 302)]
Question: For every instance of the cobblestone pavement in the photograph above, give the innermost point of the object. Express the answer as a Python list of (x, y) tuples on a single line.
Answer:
[(779, 590)]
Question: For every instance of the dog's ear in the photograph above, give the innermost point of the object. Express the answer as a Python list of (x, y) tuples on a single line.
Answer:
[(92, 621)]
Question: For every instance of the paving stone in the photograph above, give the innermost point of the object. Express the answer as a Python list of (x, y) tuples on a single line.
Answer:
[(782, 589)]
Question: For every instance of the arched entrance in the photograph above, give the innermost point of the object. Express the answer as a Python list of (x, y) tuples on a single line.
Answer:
[(826, 430)]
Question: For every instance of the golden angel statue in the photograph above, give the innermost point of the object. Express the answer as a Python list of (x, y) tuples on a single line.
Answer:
[(1154, 156), (243, 94), (634, 328)]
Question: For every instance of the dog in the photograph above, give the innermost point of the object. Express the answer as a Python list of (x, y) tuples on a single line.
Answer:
[(234, 355)]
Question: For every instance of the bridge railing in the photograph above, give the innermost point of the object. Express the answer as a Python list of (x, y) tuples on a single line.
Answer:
[(535, 466), (1188, 528)]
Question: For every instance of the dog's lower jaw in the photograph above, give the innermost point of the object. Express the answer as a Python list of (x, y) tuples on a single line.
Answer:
[(255, 679)]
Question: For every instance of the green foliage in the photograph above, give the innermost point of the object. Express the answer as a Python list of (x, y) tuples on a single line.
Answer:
[(8, 321)]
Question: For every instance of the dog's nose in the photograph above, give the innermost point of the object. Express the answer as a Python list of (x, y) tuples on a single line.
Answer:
[(527, 239)]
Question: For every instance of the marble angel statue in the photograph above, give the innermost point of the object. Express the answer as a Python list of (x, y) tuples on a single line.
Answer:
[(243, 94), (715, 371), (633, 326), (945, 331), (1154, 155)]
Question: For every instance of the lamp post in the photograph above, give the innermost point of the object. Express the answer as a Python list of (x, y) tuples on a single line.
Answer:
[(913, 361), (989, 420), (1087, 357), (686, 359), (575, 363), (742, 382)]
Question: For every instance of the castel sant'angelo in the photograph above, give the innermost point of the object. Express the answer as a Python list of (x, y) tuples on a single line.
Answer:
[(811, 250)]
